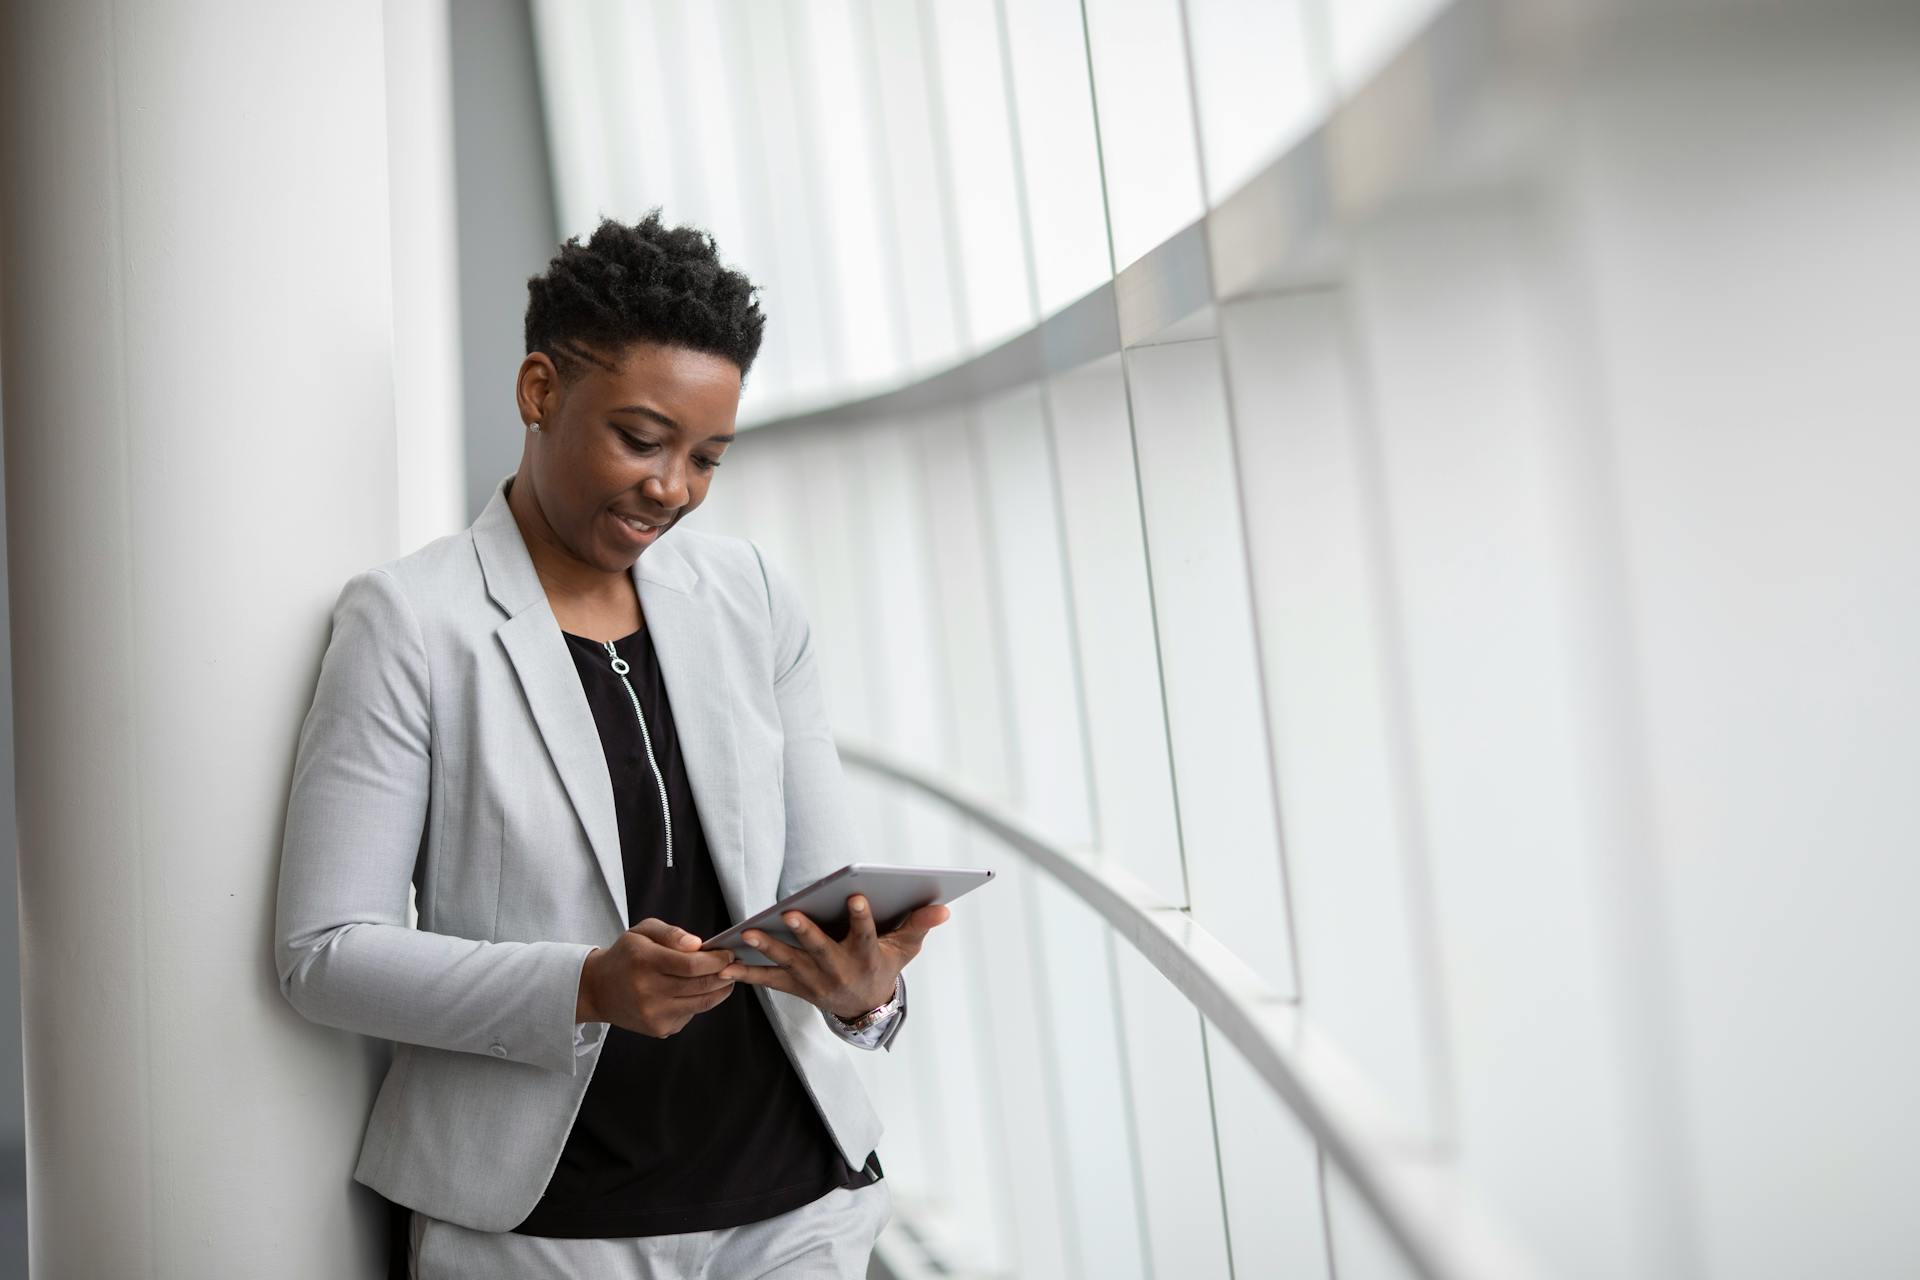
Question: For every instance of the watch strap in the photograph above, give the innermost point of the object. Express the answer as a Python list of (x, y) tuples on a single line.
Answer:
[(874, 1014)]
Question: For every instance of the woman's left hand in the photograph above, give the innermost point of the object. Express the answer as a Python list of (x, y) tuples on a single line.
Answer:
[(844, 978)]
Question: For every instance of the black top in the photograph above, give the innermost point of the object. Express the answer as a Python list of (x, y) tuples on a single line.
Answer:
[(710, 1127)]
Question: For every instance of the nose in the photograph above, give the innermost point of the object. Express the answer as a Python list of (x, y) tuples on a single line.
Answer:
[(666, 484)]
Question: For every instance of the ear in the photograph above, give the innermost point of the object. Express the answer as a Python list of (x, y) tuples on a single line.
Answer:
[(537, 388)]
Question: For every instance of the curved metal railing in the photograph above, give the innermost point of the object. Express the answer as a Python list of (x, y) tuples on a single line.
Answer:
[(1406, 1180)]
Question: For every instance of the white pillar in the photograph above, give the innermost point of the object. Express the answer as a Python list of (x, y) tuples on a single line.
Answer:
[(199, 450), (426, 294)]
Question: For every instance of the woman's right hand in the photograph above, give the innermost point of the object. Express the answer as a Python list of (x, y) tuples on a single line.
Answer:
[(653, 980)]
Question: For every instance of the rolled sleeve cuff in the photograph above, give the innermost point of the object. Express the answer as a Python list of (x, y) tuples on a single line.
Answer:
[(582, 1036)]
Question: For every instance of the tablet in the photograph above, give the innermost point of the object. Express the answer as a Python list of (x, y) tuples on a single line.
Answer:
[(893, 893)]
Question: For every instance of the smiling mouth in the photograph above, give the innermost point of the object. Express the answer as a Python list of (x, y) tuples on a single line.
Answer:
[(641, 527)]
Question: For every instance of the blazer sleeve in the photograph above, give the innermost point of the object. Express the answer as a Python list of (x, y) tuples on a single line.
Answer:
[(821, 836), (356, 821)]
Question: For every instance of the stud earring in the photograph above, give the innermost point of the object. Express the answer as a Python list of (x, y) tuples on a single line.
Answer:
[(533, 426)]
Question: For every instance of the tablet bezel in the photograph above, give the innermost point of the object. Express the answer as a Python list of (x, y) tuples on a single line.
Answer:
[(893, 892)]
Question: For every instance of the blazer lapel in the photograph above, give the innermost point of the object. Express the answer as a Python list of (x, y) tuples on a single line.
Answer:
[(687, 640), (539, 652), (531, 636), (686, 637)]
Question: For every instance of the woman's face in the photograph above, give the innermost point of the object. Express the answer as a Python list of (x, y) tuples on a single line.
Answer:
[(634, 442)]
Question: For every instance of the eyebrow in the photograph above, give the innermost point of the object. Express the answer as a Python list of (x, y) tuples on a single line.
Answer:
[(664, 420)]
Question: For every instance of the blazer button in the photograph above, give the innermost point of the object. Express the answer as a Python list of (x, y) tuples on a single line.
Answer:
[(499, 1051)]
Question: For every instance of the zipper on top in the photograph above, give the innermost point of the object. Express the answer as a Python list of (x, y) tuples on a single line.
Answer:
[(620, 668)]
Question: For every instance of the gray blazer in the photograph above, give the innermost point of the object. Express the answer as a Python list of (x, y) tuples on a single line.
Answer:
[(449, 743)]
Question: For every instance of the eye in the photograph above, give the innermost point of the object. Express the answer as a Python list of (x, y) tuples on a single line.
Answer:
[(649, 446)]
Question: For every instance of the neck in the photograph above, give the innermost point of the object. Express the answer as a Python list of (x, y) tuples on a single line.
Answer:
[(565, 577)]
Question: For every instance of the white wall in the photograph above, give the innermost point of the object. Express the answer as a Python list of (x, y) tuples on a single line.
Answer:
[(200, 449)]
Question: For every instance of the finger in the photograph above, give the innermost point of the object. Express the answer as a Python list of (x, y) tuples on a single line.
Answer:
[(739, 969), (913, 930), (657, 930), (861, 933), (695, 964), (685, 988), (684, 964), (761, 975), (775, 950), (812, 941), (702, 1003)]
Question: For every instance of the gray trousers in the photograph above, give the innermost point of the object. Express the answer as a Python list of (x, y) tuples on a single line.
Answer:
[(829, 1239)]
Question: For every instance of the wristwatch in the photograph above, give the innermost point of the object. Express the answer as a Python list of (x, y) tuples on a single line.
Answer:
[(873, 1015)]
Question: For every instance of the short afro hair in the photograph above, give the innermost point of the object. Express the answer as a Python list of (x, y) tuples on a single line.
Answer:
[(645, 282)]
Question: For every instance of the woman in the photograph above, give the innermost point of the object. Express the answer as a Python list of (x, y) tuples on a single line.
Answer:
[(590, 740)]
